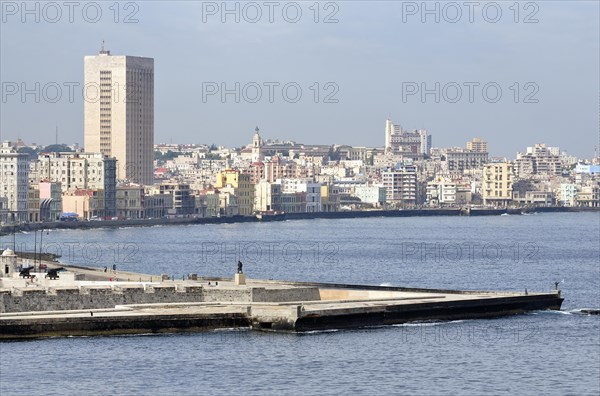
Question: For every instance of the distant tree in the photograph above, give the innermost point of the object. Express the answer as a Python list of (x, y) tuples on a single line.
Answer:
[(28, 150), (56, 148), (169, 155), (213, 147), (334, 155), (211, 156)]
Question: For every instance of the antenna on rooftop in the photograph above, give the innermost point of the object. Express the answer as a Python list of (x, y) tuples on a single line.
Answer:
[(104, 51)]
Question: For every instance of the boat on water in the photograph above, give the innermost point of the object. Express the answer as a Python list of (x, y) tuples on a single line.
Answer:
[(271, 216)]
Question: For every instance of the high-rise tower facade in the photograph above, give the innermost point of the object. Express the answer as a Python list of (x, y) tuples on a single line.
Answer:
[(119, 113)]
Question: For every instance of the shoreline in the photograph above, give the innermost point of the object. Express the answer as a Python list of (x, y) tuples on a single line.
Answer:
[(9, 229)]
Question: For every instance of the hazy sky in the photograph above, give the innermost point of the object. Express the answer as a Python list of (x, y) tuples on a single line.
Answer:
[(375, 56)]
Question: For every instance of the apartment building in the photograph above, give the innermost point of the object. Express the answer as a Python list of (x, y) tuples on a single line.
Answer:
[(497, 184), (14, 171), (401, 185), (240, 185), (80, 171)]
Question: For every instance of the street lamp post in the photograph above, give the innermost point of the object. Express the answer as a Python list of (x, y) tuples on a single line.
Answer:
[(14, 236), (34, 247), (41, 236)]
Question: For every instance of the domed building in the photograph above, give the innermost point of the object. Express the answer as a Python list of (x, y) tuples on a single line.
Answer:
[(8, 263)]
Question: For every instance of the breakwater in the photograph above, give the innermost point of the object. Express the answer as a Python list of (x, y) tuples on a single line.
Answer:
[(282, 308), (80, 307), (8, 229)]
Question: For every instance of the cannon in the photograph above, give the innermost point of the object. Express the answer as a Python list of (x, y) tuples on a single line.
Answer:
[(53, 273), (24, 273)]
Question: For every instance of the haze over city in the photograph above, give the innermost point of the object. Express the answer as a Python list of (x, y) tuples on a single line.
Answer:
[(372, 55)]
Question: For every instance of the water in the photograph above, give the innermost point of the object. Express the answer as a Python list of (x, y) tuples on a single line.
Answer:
[(537, 353)]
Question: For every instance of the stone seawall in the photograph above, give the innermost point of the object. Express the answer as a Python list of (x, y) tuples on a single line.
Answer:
[(261, 294), (23, 328), (84, 297), (6, 229), (75, 298)]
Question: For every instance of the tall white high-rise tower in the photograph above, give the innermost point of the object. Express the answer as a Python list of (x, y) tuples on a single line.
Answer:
[(119, 112)]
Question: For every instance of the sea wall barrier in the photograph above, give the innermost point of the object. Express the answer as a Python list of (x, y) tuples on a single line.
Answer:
[(369, 310), (108, 307), (100, 297), (7, 229)]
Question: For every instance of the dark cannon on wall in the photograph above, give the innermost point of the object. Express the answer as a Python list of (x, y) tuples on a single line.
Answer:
[(53, 273), (24, 273)]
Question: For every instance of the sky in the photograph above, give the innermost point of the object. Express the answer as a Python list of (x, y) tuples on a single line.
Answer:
[(327, 72)]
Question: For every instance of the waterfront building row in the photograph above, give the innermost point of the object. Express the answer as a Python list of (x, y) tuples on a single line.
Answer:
[(288, 178)]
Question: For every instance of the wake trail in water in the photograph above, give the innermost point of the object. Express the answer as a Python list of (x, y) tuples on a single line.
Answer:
[(424, 324)]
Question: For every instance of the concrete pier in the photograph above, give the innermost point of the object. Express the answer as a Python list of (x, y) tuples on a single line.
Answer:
[(96, 307)]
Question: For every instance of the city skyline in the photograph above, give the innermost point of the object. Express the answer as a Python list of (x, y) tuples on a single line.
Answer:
[(371, 83), (271, 139)]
